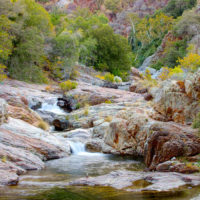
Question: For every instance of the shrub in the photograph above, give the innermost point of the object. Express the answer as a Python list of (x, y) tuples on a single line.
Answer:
[(148, 80), (168, 72), (2, 73), (86, 110), (4, 159), (117, 79), (68, 85), (43, 125), (190, 62), (78, 105), (74, 74), (109, 77), (108, 101), (100, 77), (108, 119), (49, 88)]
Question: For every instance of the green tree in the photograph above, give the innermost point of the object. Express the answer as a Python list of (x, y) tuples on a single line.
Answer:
[(176, 8), (65, 51), (30, 25), (113, 5), (5, 38), (112, 50)]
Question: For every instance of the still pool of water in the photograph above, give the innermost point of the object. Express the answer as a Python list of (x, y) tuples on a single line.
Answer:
[(50, 183)]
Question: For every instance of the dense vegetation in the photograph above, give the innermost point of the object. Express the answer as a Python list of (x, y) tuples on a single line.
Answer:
[(149, 32), (37, 46)]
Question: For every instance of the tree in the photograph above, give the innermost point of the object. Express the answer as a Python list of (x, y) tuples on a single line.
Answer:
[(30, 25), (112, 50), (176, 8), (5, 38), (65, 51), (113, 5)]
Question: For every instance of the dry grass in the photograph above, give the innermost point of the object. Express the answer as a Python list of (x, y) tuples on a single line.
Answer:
[(43, 125), (108, 119)]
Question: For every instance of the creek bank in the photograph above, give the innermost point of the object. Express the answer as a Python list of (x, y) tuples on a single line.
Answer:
[(130, 181), (115, 122), (24, 147)]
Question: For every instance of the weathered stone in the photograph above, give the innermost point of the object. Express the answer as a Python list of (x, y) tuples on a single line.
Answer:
[(110, 85), (3, 111), (127, 180), (138, 87), (168, 97), (94, 146), (8, 178), (135, 72), (175, 166), (148, 97), (167, 142), (68, 103)]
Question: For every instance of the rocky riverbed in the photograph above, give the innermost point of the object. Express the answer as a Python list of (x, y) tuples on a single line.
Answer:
[(115, 122)]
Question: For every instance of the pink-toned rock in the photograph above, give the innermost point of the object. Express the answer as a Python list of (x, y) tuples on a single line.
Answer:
[(167, 142), (135, 72), (8, 178), (175, 166), (179, 100), (93, 95)]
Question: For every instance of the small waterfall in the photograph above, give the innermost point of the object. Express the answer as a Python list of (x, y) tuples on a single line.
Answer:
[(52, 107), (77, 147)]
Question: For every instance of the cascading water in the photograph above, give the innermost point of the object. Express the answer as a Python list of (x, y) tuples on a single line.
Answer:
[(52, 107), (77, 147)]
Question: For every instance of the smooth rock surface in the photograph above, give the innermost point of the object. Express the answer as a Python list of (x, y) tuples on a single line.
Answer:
[(126, 180)]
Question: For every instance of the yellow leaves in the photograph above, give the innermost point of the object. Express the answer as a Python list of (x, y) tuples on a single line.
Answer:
[(4, 159), (100, 77), (68, 85), (148, 80), (191, 62), (169, 72), (154, 27), (13, 1)]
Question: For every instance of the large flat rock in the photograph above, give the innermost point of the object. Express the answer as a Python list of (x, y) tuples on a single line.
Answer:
[(140, 181)]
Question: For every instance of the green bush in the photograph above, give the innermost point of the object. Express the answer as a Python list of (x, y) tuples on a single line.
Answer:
[(109, 77), (68, 85)]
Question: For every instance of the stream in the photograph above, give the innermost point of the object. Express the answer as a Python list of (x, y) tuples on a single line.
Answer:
[(51, 182)]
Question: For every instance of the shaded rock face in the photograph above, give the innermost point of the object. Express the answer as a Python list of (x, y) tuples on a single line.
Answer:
[(60, 124), (165, 144), (128, 180), (110, 85), (133, 132), (179, 100), (68, 103)]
